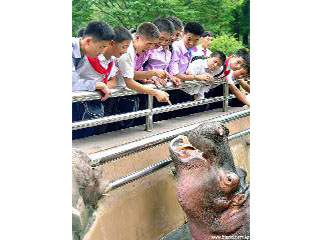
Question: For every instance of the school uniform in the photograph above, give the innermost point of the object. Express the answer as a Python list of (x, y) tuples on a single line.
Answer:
[(181, 57), (200, 51), (93, 69), (198, 67), (128, 63), (78, 83), (158, 59)]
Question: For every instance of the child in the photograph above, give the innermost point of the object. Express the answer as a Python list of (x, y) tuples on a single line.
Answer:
[(129, 63), (203, 48), (178, 29), (102, 68), (181, 55), (95, 39), (240, 60), (160, 57), (213, 66)]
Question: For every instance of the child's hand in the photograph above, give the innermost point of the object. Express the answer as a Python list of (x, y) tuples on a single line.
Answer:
[(163, 82), (160, 73), (176, 81), (104, 89), (203, 77), (157, 83), (145, 81)]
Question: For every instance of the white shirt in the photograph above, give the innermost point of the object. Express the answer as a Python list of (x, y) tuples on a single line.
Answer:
[(229, 77), (199, 51), (200, 66), (86, 71), (126, 65), (79, 83)]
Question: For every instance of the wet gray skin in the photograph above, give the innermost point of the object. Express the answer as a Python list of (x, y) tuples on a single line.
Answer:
[(87, 188), (211, 190)]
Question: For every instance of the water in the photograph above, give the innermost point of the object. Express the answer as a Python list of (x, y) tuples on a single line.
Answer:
[(182, 233)]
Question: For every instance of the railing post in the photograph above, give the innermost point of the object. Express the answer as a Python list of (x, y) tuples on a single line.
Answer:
[(149, 117), (225, 95)]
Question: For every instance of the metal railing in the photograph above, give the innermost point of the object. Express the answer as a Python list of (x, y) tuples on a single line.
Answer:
[(150, 111), (155, 167), (146, 142)]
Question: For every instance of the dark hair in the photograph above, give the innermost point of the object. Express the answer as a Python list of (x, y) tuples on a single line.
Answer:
[(198, 57), (122, 34), (207, 34), (132, 30), (99, 31), (164, 25), (148, 29), (244, 53), (247, 68), (220, 55), (81, 32), (178, 25), (193, 27)]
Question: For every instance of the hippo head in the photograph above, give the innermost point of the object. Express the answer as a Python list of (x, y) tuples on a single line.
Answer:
[(209, 184)]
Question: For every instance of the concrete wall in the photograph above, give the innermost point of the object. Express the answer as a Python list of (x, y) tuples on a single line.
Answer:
[(148, 209)]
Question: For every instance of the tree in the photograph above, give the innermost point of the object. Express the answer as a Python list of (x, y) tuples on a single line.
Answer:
[(82, 13)]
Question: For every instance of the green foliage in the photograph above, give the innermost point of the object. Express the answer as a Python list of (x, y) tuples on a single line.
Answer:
[(82, 13), (218, 16), (226, 44)]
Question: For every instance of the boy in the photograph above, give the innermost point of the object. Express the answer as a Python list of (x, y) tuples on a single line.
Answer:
[(203, 48), (160, 57), (178, 29), (102, 68), (239, 60), (95, 38), (182, 55), (129, 63), (213, 66)]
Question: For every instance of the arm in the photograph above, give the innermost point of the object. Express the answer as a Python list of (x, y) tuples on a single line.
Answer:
[(160, 95), (239, 94), (141, 75), (79, 84), (112, 83), (245, 85)]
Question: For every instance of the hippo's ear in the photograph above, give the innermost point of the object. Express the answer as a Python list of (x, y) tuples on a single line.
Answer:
[(239, 199)]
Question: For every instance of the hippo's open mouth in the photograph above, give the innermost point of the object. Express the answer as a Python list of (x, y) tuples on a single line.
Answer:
[(181, 150)]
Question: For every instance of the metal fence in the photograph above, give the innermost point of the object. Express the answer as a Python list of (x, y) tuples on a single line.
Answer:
[(148, 113)]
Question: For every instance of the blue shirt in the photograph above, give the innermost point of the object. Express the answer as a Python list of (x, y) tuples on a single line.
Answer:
[(78, 83)]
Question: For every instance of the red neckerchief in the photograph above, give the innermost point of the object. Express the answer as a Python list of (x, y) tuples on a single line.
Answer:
[(205, 52), (226, 71), (95, 63)]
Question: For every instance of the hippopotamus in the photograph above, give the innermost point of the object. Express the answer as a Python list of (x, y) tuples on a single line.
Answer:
[(211, 190), (88, 187)]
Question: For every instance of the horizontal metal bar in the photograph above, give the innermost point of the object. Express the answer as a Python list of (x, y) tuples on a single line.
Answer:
[(146, 142), (155, 167), (109, 119), (142, 113), (239, 134), (124, 91), (186, 105), (139, 174)]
